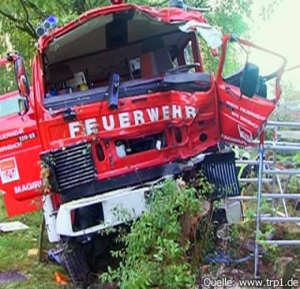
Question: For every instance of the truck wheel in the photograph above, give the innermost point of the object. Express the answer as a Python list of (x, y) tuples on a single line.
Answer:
[(74, 260)]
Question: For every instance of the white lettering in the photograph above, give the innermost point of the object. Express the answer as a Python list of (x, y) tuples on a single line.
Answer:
[(166, 112), (176, 111), (153, 114), (235, 114), (248, 121), (233, 140), (252, 113), (138, 117), (124, 119), (127, 119), (28, 187), (111, 124), (190, 112), (11, 134), (74, 127), (10, 147), (232, 105), (91, 126)]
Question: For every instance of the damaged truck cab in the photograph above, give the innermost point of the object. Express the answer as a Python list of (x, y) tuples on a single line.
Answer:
[(122, 101)]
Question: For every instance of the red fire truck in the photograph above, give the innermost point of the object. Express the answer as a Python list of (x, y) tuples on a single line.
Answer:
[(120, 100)]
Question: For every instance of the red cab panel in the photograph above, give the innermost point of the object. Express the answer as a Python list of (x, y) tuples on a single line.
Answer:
[(20, 147), (242, 117)]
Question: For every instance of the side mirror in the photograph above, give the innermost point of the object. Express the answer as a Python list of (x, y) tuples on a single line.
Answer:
[(23, 105), (21, 77), (249, 79)]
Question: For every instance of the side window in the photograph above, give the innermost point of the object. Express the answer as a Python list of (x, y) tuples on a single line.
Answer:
[(7, 79), (182, 55), (9, 94), (235, 61), (237, 55), (188, 53), (9, 105), (175, 62)]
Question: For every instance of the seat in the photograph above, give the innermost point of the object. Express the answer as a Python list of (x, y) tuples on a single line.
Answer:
[(155, 63)]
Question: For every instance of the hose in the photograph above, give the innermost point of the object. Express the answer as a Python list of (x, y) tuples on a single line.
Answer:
[(222, 258)]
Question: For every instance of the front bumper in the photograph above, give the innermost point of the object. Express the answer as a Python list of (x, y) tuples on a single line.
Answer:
[(117, 206)]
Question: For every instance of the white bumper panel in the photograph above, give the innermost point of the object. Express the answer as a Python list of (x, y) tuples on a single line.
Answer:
[(114, 204)]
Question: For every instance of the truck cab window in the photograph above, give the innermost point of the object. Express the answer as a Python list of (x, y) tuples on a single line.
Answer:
[(234, 64), (236, 57), (9, 105), (7, 79), (9, 96), (188, 53)]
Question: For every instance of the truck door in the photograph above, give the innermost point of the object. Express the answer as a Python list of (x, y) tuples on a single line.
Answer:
[(20, 181), (248, 85)]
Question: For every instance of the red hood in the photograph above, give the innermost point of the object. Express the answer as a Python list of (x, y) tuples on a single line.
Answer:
[(166, 15)]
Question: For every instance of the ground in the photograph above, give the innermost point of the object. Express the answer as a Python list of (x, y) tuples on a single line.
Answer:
[(14, 254)]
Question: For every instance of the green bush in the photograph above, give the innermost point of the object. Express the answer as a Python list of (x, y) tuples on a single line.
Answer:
[(158, 251)]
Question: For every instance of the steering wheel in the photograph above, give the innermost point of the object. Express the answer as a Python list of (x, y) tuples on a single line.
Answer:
[(182, 68)]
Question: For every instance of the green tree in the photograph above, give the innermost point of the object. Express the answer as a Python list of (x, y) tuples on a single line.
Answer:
[(20, 18)]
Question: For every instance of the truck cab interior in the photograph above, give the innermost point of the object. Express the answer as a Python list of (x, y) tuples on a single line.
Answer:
[(140, 50)]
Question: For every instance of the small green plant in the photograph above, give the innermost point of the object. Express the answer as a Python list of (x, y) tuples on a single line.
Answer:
[(160, 248)]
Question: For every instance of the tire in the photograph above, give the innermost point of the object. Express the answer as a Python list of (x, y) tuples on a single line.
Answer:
[(73, 258)]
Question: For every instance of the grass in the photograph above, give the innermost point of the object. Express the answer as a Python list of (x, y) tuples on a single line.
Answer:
[(14, 248)]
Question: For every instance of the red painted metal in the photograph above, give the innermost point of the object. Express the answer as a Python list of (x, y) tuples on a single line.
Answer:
[(226, 115)]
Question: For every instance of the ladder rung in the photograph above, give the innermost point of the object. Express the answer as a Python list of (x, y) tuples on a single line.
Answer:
[(267, 196), (280, 219), (274, 123), (253, 162), (282, 172), (282, 148), (255, 180), (244, 198), (281, 242), (281, 196)]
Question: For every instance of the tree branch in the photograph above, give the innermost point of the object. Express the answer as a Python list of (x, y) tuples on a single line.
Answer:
[(27, 22), (25, 10), (10, 17), (27, 30), (16, 22), (36, 9)]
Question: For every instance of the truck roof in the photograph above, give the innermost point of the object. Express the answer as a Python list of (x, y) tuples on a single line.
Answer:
[(167, 15), (107, 28)]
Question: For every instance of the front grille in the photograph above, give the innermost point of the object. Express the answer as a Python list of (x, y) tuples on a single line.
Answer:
[(220, 170), (70, 166)]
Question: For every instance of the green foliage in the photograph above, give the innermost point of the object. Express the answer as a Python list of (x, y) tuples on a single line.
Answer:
[(19, 19), (7, 79), (158, 246)]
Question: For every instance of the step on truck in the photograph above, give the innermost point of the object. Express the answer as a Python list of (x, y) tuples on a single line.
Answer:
[(121, 100)]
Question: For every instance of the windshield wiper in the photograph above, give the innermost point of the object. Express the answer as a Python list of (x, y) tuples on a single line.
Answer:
[(113, 91)]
